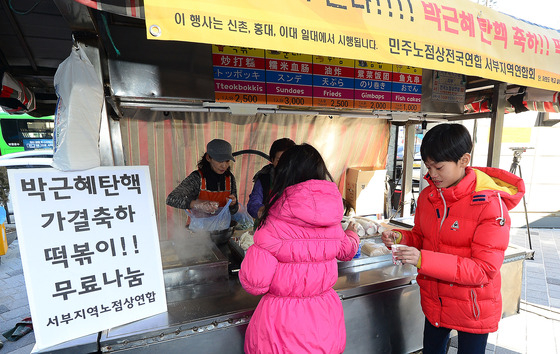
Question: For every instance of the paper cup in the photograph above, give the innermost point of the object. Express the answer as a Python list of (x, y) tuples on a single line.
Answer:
[(394, 248)]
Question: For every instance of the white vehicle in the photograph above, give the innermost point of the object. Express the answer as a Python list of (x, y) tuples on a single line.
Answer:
[(32, 158)]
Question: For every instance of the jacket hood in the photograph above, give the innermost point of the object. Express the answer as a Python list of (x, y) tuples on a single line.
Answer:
[(314, 203), (510, 186)]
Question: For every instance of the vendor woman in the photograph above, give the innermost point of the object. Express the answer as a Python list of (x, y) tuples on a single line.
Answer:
[(211, 185)]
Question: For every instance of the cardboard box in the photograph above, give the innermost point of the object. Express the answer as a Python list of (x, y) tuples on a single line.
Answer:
[(365, 190)]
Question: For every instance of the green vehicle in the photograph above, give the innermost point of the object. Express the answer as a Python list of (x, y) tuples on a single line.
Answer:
[(23, 133)]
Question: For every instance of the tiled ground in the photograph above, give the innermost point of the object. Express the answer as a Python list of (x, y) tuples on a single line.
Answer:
[(536, 329), (14, 305)]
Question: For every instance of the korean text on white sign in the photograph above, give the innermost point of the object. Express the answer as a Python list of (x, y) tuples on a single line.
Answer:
[(89, 249)]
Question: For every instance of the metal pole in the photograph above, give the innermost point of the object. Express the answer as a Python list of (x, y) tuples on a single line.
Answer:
[(526, 217), (514, 166), (496, 124)]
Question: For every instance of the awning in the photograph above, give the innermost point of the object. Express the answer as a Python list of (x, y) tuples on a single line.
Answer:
[(130, 8), (461, 36)]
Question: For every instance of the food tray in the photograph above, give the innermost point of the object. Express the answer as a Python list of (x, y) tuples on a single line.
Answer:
[(356, 262), (189, 263), (236, 248), (365, 260)]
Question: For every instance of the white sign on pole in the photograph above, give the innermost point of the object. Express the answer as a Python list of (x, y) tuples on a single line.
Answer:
[(89, 249)]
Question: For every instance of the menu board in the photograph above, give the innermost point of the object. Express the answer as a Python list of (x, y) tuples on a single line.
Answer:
[(289, 79), (239, 74), (333, 82), (407, 88), (373, 82), (246, 75)]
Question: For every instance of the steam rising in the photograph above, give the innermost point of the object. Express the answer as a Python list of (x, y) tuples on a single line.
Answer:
[(186, 247)]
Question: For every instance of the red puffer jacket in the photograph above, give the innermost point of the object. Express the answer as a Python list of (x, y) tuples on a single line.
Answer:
[(462, 233)]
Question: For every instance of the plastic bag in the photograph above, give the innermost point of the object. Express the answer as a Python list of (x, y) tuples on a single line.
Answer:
[(201, 221), (78, 114), (243, 219)]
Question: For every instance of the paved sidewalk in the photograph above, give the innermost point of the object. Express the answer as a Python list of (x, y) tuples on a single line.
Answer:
[(535, 330), (14, 305)]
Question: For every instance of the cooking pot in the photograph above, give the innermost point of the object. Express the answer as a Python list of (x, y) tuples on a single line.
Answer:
[(221, 237)]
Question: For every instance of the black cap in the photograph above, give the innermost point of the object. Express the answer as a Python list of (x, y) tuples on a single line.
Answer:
[(219, 150)]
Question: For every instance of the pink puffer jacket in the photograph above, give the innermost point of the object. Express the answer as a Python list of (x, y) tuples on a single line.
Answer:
[(293, 263)]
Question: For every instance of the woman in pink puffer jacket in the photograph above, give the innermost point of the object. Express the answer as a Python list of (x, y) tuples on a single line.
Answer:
[(293, 261)]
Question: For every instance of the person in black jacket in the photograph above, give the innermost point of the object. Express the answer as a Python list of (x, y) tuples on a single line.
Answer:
[(263, 179)]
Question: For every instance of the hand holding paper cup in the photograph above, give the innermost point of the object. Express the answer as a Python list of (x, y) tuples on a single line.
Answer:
[(389, 237)]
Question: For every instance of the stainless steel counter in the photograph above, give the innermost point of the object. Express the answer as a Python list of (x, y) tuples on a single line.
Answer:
[(381, 303), (380, 300)]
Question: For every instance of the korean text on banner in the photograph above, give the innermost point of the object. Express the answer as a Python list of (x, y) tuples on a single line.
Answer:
[(461, 36), (89, 249)]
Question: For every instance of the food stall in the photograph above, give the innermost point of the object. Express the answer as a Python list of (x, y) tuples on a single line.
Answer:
[(380, 301), (166, 99), (208, 310)]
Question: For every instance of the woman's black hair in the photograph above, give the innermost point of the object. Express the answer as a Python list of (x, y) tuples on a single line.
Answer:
[(204, 165), (446, 142), (298, 164), (280, 145)]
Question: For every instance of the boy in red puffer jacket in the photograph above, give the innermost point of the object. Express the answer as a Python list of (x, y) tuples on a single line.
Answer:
[(461, 231)]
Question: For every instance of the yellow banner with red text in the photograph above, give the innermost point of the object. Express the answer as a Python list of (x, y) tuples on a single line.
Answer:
[(459, 36)]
